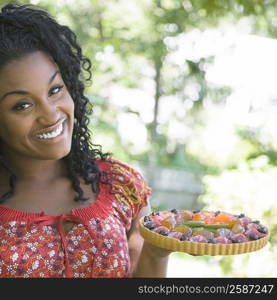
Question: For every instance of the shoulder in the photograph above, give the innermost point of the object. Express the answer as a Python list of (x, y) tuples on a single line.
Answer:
[(122, 172), (117, 167), (128, 183)]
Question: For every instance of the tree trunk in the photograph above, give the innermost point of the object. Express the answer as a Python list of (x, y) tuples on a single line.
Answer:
[(158, 66), (153, 127)]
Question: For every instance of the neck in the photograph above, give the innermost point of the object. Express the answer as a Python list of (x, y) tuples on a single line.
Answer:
[(35, 171)]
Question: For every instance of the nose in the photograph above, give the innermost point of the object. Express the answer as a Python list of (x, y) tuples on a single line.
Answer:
[(48, 113)]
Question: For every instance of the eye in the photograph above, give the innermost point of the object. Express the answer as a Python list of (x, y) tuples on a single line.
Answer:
[(24, 105), (55, 90), (21, 106)]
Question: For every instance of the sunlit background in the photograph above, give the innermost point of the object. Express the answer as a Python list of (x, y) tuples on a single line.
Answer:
[(186, 92)]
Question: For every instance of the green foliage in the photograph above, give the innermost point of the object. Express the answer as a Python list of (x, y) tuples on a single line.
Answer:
[(226, 265)]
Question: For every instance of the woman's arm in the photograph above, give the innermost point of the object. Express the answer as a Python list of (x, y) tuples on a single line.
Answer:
[(146, 259)]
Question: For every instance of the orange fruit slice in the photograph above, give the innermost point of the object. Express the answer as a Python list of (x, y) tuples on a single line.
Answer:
[(223, 218)]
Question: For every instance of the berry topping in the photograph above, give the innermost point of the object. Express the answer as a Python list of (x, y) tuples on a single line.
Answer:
[(150, 225), (201, 226), (262, 229), (184, 238), (244, 221), (224, 232), (161, 230), (147, 219), (256, 222), (238, 229), (211, 241), (253, 236), (221, 240), (176, 235), (198, 239), (155, 213), (239, 238)]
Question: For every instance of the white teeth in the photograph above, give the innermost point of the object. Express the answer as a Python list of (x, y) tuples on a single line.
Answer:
[(51, 134)]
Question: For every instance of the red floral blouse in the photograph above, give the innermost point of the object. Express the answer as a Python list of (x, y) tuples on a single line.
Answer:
[(36, 245)]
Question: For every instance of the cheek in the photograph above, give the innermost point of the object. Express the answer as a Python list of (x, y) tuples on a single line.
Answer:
[(12, 137), (13, 130), (9, 137), (72, 105), (68, 107), (69, 103)]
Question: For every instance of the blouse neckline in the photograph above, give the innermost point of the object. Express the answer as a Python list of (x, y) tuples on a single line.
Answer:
[(15, 214), (99, 207)]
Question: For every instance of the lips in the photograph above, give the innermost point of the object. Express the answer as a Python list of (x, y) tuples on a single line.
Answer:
[(50, 129)]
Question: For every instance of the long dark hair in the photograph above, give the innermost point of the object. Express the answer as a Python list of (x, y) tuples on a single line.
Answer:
[(25, 29)]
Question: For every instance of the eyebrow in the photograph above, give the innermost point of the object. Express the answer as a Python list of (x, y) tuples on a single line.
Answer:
[(21, 92)]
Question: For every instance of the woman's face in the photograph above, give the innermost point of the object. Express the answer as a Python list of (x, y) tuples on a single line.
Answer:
[(35, 106)]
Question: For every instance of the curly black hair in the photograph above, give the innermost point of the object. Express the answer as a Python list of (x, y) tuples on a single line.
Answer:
[(25, 29)]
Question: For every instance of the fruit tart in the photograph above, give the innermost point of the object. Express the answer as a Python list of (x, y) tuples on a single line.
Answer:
[(203, 232)]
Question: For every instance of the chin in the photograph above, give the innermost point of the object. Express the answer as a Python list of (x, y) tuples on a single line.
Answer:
[(56, 155)]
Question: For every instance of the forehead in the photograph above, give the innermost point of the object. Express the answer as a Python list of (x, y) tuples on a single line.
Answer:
[(27, 71)]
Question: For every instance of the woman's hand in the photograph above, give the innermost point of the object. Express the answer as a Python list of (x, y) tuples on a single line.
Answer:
[(152, 262), (154, 251)]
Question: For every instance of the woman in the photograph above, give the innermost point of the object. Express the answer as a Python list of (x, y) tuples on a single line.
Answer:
[(67, 209)]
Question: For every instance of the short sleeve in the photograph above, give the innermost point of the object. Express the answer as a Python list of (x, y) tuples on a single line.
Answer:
[(130, 191)]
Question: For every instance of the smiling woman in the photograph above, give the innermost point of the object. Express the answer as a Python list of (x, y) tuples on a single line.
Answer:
[(46, 158)]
